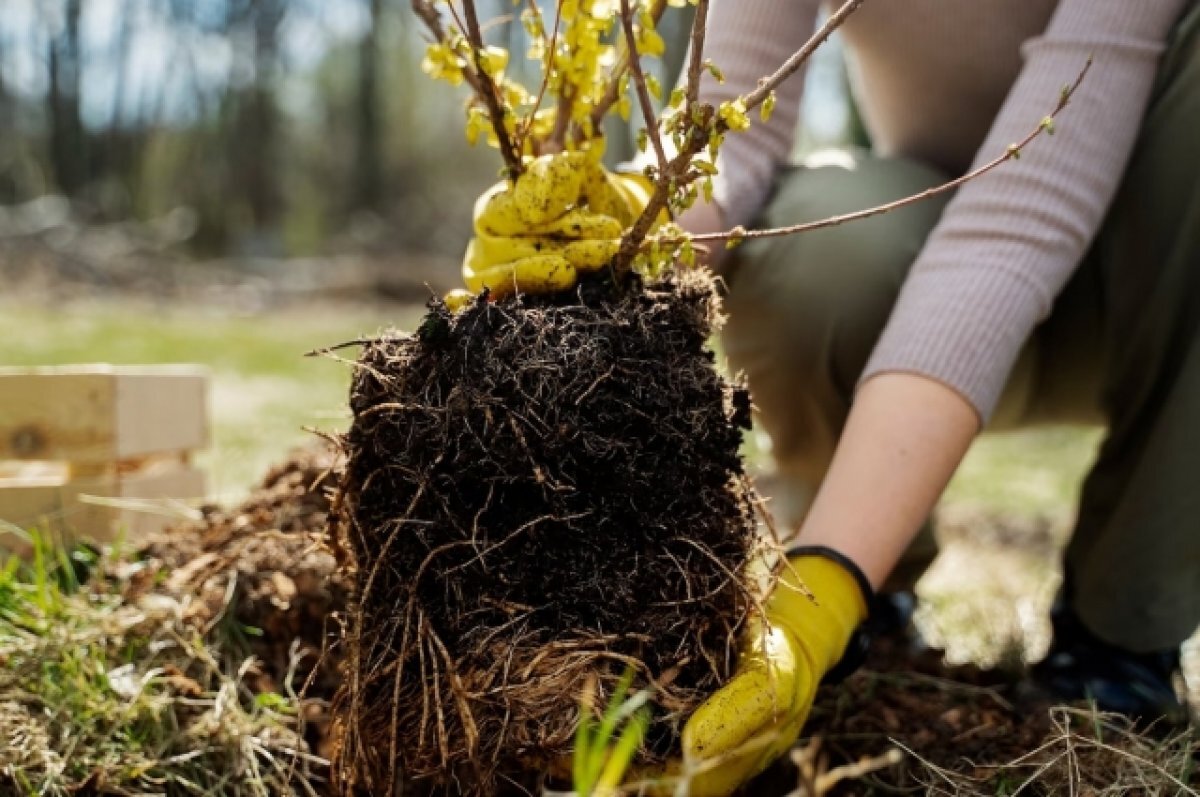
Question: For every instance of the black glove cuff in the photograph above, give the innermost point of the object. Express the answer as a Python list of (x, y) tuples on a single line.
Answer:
[(860, 640)]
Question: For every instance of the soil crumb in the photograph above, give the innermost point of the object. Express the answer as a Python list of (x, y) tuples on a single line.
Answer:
[(539, 495)]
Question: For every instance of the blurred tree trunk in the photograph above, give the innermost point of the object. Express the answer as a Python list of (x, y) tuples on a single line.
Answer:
[(68, 141), (118, 160), (8, 159), (253, 137), (6, 100), (121, 56), (368, 180)]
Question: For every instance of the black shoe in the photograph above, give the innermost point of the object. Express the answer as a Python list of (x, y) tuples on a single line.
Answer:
[(1080, 666), (892, 614)]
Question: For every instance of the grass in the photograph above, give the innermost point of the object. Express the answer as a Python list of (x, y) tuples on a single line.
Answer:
[(100, 692), (264, 390), (1086, 753)]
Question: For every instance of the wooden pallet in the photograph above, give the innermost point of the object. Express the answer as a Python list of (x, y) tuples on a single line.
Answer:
[(94, 452)]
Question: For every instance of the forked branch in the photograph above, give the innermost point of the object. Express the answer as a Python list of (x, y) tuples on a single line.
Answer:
[(702, 122), (475, 74)]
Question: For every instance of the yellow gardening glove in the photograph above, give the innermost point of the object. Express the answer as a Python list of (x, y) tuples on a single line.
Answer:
[(562, 217), (757, 716)]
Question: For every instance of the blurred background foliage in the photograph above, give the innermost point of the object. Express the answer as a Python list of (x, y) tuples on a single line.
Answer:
[(277, 127), (262, 128)]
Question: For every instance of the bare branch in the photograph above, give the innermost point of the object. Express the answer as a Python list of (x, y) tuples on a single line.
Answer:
[(801, 56), (1013, 152), (639, 83), (562, 122), (613, 92)]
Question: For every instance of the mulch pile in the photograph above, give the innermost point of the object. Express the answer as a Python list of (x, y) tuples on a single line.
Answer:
[(264, 569), (539, 494)]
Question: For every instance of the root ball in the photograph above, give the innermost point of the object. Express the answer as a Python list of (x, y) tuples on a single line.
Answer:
[(539, 494)]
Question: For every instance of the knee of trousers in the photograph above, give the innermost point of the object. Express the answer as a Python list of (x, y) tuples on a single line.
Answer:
[(805, 310)]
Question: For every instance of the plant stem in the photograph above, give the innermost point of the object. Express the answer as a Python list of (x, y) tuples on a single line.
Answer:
[(696, 64), (701, 122), (801, 56), (547, 68), (613, 92), (639, 82), (1011, 153), (490, 94)]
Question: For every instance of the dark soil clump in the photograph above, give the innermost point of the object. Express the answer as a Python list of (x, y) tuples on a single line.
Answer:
[(538, 495)]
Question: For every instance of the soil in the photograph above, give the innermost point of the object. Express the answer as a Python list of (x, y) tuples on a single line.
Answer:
[(539, 495)]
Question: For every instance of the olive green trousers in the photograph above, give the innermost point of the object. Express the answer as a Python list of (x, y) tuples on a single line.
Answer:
[(1121, 348)]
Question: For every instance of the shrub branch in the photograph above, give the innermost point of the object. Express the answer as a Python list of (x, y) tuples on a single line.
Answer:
[(490, 93), (1013, 152), (474, 73), (639, 82)]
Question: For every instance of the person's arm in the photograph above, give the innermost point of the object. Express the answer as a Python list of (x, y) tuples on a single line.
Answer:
[(1003, 250), (905, 436), (1009, 241), (989, 273)]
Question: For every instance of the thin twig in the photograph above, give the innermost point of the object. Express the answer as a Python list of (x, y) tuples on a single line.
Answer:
[(699, 32), (639, 83), (801, 56), (613, 92), (490, 94), (547, 68), (1013, 152)]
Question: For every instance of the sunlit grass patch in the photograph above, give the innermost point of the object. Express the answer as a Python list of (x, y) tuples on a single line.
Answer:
[(264, 390), (101, 693)]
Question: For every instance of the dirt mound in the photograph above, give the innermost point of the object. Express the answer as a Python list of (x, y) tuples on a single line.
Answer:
[(265, 571), (539, 494)]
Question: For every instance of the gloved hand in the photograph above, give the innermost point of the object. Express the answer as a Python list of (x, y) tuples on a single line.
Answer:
[(757, 716), (563, 216)]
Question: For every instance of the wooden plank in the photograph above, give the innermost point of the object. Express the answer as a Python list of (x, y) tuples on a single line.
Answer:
[(101, 413), (161, 411), (69, 509)]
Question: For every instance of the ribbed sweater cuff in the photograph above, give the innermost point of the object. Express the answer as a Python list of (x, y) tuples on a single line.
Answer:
[(961, 327)]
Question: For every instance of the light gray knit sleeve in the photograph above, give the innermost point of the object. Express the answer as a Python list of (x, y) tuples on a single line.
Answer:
[(748, 41), (1009, 241)]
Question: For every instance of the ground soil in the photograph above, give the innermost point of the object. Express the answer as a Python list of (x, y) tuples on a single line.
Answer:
[(961, 730), (263, 569)]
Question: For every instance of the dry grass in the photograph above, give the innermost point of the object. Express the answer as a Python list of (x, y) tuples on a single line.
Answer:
[(102, 696), (1087, 753)]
